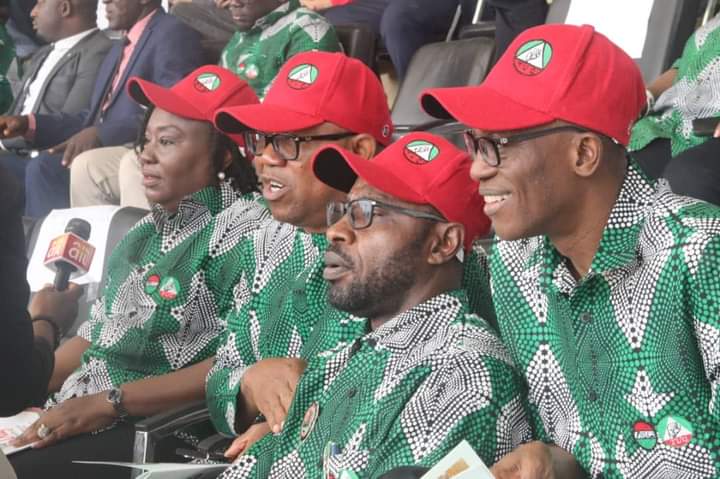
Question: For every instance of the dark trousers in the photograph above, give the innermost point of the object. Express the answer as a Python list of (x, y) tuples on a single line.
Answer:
[(514, 16), (694, 172), (115, 444), (46, 181)]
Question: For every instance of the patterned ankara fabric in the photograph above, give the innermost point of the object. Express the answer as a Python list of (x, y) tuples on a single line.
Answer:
[(257, 55), (166, 294), (281, 310), (694, 94), (623, 367), (403, 394)]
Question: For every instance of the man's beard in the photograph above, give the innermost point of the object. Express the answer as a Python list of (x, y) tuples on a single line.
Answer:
[(363, 296)]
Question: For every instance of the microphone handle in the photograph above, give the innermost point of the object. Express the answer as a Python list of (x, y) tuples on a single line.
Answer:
[(62, 276)]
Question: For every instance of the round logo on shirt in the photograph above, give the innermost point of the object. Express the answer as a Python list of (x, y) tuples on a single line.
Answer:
[(675, 431), (252, 72), (206, 82), (302, 76), (309, 420), (152, 283), (532, 57), (420, 152), (169, 288), (645, 434)]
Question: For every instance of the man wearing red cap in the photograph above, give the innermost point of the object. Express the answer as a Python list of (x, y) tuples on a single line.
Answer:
[(605, 284), (427, 373)]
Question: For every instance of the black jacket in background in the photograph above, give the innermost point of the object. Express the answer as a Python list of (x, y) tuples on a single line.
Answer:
[(25, 363)]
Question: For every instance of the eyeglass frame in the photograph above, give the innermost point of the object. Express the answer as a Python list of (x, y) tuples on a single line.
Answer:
[(347, 208), (297, 139), (472, 142)]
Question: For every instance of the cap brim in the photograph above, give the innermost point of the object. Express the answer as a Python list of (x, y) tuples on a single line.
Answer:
[(147, 93), (339, 169), (482, 108), (263, 117)]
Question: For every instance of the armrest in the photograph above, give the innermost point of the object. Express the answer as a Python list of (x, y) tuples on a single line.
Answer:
[(151, 430)]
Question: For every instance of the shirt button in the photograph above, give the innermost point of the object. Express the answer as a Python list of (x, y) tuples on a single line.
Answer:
[(592, 395), (351, 392), (586, 317)]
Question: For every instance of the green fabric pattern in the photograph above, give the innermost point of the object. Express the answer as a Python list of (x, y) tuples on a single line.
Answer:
[(692, 95), (404, 394), (622, 366), (166, 295), (257, 55), (7, 55)]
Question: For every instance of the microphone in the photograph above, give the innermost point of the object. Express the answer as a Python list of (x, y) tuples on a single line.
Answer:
[(70, 252)]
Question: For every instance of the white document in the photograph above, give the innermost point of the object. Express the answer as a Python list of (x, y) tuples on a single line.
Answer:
[(625, 22), (460, 463), (165, 470), (99, 217), (11, 427)]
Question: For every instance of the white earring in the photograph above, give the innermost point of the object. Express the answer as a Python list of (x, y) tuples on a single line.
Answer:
[(221, 175)]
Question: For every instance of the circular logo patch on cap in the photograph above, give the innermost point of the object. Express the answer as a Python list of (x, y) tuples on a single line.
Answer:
[(206, 82), (645, 434), (675, 431), (302, 76), (533, 57), (420, 152)]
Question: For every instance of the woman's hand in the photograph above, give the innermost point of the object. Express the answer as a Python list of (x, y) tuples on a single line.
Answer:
[(241, 443), (70, 418)]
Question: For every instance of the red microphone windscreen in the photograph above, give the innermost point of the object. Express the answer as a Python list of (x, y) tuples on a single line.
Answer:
[(70, 248)]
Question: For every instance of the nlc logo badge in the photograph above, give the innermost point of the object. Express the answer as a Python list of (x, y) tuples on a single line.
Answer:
[(533, 57), (206, 82), (302, 76), (420, 152)]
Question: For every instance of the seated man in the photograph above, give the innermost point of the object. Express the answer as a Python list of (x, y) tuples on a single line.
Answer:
[(60, 74), (606, 284), (156, 47), (428, 373)]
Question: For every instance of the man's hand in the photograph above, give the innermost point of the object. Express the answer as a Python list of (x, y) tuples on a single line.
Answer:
[(247, 439), (81, 141), (12, 126), (537, 460), (70, 418), (270, 385), (316, 4), (61, 307)]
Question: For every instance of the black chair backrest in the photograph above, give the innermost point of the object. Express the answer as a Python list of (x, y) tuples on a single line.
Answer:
[(443, 64), (358, 41), (671, 23)]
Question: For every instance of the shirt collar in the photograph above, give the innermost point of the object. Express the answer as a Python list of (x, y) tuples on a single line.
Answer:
[(133, 35), (444, 309), (211, 200), (618, 246), (68, 42), (272, 17)]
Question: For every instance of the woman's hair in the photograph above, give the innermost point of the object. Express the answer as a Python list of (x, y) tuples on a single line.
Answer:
[(239, 170)]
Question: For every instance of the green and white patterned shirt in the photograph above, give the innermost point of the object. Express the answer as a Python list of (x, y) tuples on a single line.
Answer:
[(167, 293), (281, 310), (257, 55), (623, 366), (694, 94), (404, 394)]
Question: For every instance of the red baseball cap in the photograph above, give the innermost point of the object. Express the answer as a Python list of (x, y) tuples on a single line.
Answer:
[(313, 88), (551, 72), (419, 168), (196, 96)]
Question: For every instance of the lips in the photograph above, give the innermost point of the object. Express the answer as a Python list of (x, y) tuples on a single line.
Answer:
[(336, 266), (149, 180), (494, 201), (273, 189)]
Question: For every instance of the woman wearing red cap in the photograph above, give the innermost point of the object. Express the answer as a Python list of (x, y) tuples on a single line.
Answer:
[(151, 337)]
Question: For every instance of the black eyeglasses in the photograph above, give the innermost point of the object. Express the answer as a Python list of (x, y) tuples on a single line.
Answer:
[(487, 148), (287, 146), (361, 212)]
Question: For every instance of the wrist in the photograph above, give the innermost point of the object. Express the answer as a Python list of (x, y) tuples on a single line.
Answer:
[(650, 100), (114, 399), (48, 329)]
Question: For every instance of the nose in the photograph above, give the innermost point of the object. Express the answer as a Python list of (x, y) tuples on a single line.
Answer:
[(481, 171), (146, 155), (341, 232)]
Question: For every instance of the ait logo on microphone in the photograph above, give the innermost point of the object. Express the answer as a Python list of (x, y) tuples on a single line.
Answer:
[(420, 152), (302, 76), (72, 249)]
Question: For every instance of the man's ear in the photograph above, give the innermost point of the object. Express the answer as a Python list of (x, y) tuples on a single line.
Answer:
[(66, 8), (588, 152), (363, 145), (446, 240)]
